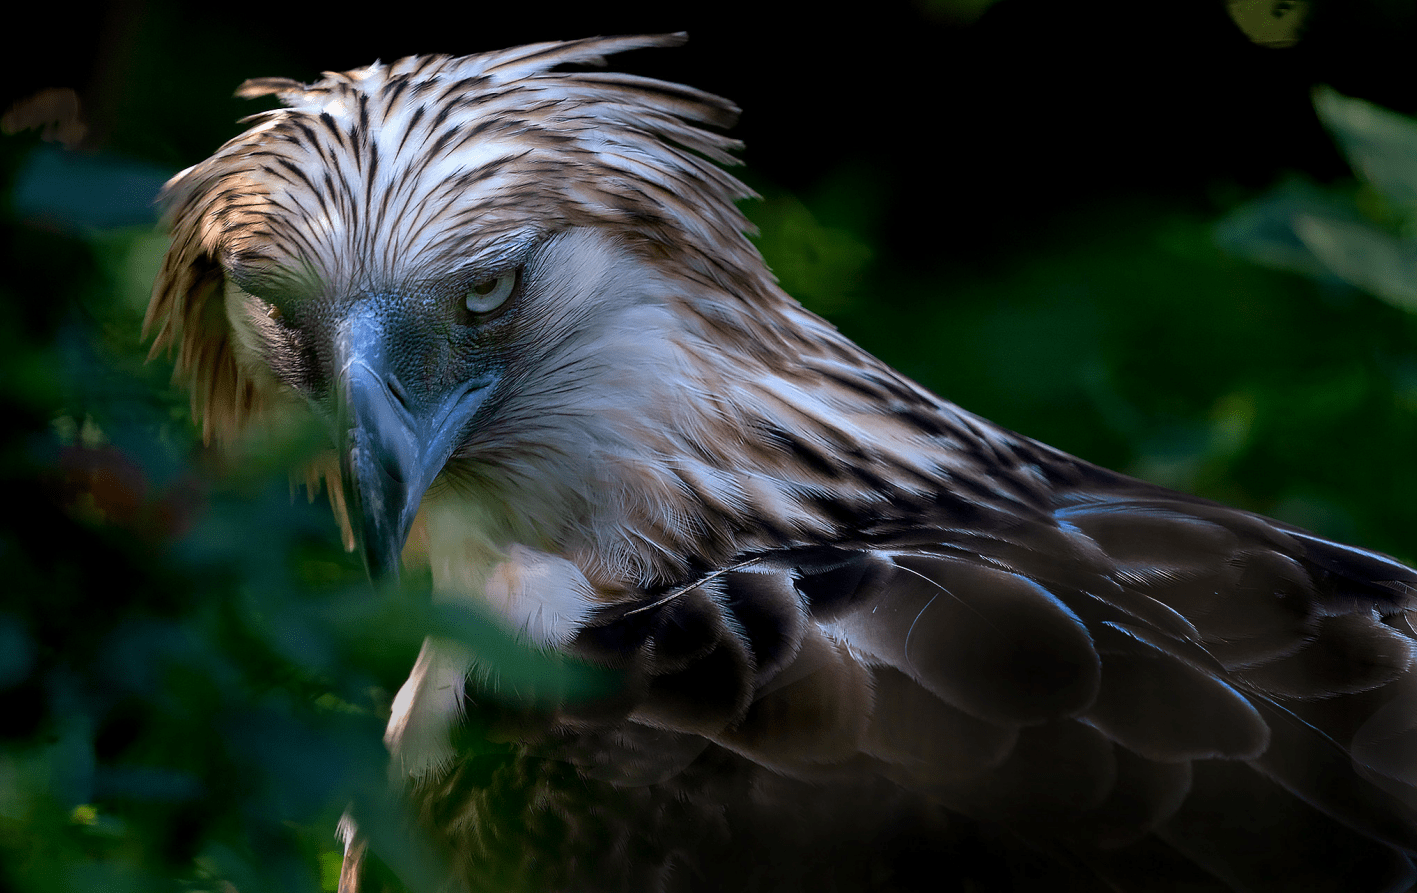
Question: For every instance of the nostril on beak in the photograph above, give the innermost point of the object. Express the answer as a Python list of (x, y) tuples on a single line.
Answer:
[(396, 388)]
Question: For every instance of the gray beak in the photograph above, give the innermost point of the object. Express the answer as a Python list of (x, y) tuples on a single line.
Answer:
[(394, 431)]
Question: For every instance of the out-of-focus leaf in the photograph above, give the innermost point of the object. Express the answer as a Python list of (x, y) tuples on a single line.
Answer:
[(16, 651), (1355, 236), (1375, 261), (1380, 144), (819, 264), (74, 191), (1264, 231), (1270, 23), (505, 667), (956, 10)]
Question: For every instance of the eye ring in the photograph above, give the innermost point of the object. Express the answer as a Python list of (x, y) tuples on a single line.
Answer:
[(486, 296)]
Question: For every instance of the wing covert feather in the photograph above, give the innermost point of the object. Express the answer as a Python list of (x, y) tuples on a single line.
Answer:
[(1199, 672)]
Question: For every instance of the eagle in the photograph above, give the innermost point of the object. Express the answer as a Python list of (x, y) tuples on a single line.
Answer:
[(860, 639)]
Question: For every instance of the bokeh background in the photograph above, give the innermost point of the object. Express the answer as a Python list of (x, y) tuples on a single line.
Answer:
[(1122, 228)]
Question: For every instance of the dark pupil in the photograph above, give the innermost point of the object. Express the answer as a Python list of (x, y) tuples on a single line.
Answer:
[(485, 288)]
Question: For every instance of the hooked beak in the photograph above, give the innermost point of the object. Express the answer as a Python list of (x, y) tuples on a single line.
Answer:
[(394, 438)]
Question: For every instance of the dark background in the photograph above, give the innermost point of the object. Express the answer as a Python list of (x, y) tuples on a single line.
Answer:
[(1017, 204)]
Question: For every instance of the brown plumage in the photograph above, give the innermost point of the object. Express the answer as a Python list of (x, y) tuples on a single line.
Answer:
[(864, 639)]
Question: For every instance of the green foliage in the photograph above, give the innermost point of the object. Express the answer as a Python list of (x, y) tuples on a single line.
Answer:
[(194, 675), (178, 713), (1364, 234)]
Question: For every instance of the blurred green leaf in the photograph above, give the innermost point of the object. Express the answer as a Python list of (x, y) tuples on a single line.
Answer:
[(820, 248), (1381, 145), (956, 10), (1264, 230), (1271, 23), (1365, 236), (1375, 261), (76, 192)]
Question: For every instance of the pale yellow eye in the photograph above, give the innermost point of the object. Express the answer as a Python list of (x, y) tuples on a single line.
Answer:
[(489, 294)]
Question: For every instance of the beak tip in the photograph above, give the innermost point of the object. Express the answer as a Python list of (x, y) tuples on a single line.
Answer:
[(378, 510)]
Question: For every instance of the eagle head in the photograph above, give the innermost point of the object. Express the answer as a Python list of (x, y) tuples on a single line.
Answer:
[(490, 276)]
